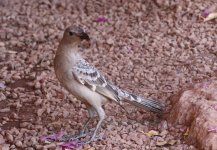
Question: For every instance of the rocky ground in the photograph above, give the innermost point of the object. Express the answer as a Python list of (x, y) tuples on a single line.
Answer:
[(153, 48)]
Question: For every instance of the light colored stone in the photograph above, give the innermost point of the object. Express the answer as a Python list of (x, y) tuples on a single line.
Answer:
[(9, 137), (4, 110), (18, 144)]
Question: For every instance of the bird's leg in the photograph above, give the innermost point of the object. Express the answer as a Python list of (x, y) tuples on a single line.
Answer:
[(82, 134), (101, 114), (85, 126), (91, 113)]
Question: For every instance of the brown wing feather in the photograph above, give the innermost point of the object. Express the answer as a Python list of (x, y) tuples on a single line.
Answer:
[(83, 71)]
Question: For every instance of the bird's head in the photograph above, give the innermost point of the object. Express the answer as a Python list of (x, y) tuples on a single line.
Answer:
[(74, 34)]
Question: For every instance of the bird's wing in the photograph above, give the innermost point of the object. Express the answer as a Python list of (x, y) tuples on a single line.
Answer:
[(89, 76)]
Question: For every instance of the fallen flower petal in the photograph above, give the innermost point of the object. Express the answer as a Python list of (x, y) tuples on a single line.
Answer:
[(52, 137), (205, 84), (70, 145), (152, 133), (204, 14), (211, 16), (187, 132), (208, 10), (215, 107), (2, 85), (212, 129), (101, 19), (161, 143)]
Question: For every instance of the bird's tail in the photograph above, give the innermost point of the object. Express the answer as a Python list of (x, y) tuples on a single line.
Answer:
[(138, 101), (147, 104), (143, 103)]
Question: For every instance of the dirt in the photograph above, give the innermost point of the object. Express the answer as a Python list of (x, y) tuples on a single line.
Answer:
[(152, 48)]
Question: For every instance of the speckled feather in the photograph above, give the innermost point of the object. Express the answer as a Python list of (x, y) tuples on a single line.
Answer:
[(92, 78)]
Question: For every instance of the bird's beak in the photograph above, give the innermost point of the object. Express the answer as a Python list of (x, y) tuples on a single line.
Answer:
[(84, 36)]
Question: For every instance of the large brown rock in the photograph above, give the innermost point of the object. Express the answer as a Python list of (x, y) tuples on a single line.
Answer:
[(197, 108)]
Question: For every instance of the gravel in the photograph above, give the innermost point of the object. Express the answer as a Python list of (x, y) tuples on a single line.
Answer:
[(152, 48)]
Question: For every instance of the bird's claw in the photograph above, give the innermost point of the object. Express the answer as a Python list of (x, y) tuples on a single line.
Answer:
[(95, 139), (67, 138)]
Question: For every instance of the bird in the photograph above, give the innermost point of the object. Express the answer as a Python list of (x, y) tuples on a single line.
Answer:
[(87, 84)]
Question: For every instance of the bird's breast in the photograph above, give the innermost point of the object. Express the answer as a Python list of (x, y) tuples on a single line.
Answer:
[(63, 65)]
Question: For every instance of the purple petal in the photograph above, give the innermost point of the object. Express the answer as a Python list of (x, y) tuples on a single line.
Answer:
[(208, 10), (52, 137), (101, 19), (215, 107), (71, 145), (2, 85), (205, 13), (206, 85), (212, 129)]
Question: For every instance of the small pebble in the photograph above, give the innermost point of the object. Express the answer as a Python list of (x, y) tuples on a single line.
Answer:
[(18, 144)]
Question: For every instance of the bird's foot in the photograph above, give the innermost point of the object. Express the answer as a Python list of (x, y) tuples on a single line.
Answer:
[(95, 139), (67, 138)]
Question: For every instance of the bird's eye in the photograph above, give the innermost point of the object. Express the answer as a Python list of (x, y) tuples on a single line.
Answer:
[(71, 33)]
